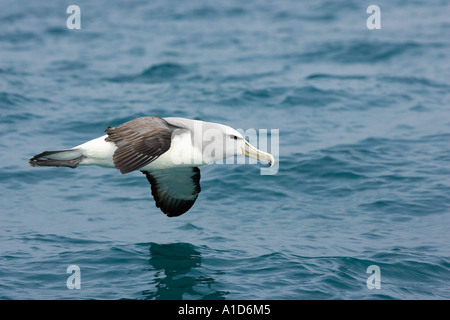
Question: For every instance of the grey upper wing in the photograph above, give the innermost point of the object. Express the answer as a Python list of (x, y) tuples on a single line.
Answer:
[(139, 142), (175, 190)]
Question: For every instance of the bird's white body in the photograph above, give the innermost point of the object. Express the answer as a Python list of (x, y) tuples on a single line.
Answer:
[(99, 152)]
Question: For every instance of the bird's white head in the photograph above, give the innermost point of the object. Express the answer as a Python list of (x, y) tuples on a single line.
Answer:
[(217, 141), (233, 144)]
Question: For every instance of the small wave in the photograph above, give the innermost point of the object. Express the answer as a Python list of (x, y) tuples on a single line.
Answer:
[(331, 165), (18, 118), (19, 37), (268, 94), (67, 65), (284, 15), (158, 73), (359, 51), (8, 99), (312, 97), (415, 81), (401, 209), (164, 71), (336, 76), (57, 239), (203, 12), (56, 31)]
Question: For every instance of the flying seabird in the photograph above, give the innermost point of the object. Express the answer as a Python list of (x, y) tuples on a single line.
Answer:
[(167, 150)]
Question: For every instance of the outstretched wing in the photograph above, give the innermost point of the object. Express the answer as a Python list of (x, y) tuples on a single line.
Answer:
[(139, 142), (175, 190)]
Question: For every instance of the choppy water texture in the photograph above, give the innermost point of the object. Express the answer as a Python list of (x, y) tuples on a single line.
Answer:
[(363, 175)]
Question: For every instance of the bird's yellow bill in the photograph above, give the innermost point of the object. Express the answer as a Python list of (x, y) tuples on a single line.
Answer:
[(250, 151)]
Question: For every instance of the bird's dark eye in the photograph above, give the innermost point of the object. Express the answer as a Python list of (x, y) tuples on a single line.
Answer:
[(234, 137)]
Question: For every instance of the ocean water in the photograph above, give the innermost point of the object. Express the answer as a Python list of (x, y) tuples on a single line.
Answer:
[(364, 159)]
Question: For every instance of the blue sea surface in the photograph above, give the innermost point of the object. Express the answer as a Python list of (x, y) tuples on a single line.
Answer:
[(364, 149)]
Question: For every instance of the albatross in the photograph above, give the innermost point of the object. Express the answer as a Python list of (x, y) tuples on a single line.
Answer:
[(169, 151)]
